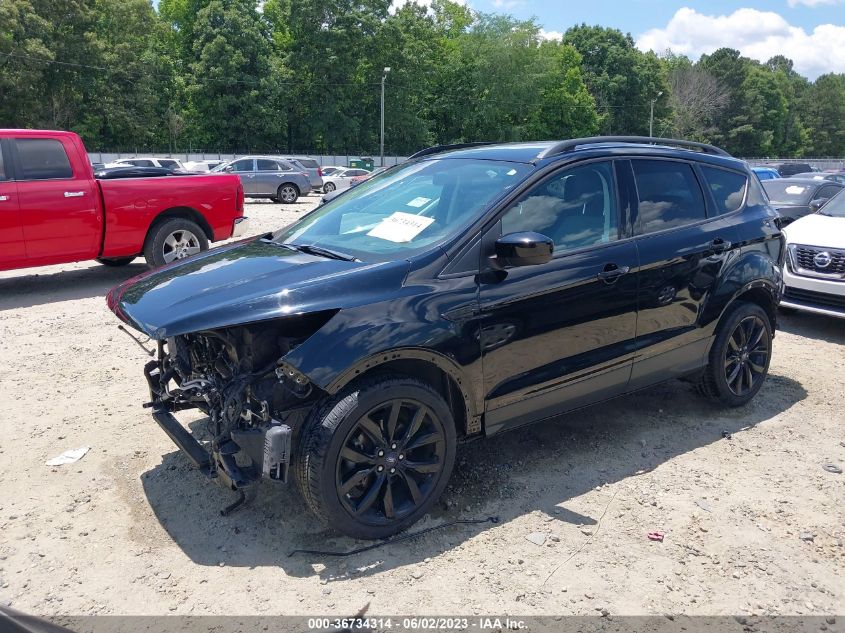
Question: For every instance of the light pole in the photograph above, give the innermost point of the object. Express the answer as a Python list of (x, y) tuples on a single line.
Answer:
[(651, 116), (383, 77)]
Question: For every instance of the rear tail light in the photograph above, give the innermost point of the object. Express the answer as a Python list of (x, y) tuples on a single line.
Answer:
[(319, 172), (239, 199)]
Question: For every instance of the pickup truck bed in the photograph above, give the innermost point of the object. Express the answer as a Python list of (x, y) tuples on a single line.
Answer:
[(53, 210)]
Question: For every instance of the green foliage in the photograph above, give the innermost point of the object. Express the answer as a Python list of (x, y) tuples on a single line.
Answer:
[(306, 75)]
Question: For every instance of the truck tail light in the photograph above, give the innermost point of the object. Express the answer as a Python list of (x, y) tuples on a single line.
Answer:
[(239, 199)]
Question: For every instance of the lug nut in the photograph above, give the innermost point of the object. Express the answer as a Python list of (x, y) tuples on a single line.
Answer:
[(393, 445), (392, 470), (381, 453), (401, 456), (380, 468)]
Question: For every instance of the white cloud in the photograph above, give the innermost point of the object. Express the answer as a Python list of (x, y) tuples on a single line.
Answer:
[(810, 3), (507, 4), (756, 34), (550, 35)]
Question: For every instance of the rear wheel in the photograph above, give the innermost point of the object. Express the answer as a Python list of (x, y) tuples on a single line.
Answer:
[(287, 194), (376, 457), (329, 187), (740, 356), (115, 262), (174, 239)]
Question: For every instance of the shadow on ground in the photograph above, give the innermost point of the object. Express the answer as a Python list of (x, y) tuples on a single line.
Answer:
[(813, 326), (39, 288), (539, 467)]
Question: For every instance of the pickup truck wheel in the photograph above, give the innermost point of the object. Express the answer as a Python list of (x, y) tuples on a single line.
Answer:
[(174, 239), (375, 458), (739, 359), (329, 187), (119, 261), (287, 194)]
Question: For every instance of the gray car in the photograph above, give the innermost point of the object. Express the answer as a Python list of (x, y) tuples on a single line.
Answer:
[(269, 177), (311, 167)]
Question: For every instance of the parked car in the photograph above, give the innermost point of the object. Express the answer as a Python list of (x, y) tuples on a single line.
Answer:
[(342, 179), (357, 180), (820, 175), (789, 169), (53, 210), (471, 290), (766, 173), (268, 177), (312, 168), (814, 274), (202, 165), (167, 163), (796, 197)]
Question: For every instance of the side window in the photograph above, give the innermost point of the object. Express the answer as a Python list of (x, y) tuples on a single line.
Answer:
[(242, 165), (42, 159), (668, 195), (727, 187), (3, 175), (575, 207), (265, 164), (170, 164), (828, 191), (285, 166)]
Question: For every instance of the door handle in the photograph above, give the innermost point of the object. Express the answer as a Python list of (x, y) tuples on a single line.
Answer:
[(74, 194), (4, 198), (719, 246), (612, 272)]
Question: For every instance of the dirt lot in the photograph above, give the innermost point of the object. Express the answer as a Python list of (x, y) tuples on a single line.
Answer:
[(753, 523)]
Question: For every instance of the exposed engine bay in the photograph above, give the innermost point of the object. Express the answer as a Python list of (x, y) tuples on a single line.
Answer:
[(254, 401)]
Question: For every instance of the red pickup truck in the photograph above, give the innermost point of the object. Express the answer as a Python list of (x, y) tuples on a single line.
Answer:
[(53, 210)]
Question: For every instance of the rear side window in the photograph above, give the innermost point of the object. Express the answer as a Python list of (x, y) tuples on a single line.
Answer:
[(668, 195), (2, 167), (727, 187), (828, 191), (308, 163), (170, 164), (42, 159), (265, 164)]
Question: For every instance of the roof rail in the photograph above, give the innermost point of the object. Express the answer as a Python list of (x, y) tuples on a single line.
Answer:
[(568, 146), (443, 148)]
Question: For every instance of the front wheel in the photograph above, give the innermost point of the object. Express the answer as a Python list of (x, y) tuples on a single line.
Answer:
[(375, 458), (174, 239), (740, 356), (329, 187)]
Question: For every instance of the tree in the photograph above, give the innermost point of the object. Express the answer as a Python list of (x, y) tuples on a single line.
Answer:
[(696, 99), (825, 112)]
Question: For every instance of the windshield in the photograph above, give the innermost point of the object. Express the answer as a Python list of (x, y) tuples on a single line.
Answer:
[(835, 207), (405, 210), (796, 193)]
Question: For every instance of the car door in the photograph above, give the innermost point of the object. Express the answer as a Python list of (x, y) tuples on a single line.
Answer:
[(683, 246), (343, 178), (59, 211), (559, 335), (245, 168), (12, 247), (827, 191), (268, 177)]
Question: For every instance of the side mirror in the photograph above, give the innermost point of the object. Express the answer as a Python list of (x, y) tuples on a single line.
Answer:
[(524, 249), (817, 204), (228, 168)]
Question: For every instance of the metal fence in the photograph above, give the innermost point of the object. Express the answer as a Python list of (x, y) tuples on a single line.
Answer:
[(817, 163), (340, 160)]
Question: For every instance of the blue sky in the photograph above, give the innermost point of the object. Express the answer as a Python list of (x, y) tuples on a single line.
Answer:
[(810, 32)]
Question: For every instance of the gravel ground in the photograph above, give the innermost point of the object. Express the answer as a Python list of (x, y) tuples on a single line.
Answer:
[(753, 523)]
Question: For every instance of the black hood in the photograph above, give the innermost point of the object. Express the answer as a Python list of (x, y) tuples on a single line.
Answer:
[(244, 283)]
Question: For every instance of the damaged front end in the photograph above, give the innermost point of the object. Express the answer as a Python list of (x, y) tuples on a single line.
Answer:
[(255, 402)]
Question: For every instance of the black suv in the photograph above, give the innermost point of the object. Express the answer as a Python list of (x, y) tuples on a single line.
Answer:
[(471, 290)]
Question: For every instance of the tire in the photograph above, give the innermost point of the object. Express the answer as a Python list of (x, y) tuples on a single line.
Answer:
[(118, 261), (348, 462), (741, 351), (329, 187), (174, 239), (287, 193)]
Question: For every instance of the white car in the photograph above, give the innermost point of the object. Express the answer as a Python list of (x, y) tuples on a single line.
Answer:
[(814, 274), (142, 161), (341, 179), (328, 170), (202, 165)]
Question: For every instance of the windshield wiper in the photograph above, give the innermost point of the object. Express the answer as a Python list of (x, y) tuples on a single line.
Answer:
[(319, 250)]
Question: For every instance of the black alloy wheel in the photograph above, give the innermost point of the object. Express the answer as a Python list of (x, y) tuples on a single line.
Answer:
[(390, 461), (747, 355)]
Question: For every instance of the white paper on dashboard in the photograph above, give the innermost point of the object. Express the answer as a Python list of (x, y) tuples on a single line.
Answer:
[(400, 227), (794, 190), (418, 202)]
